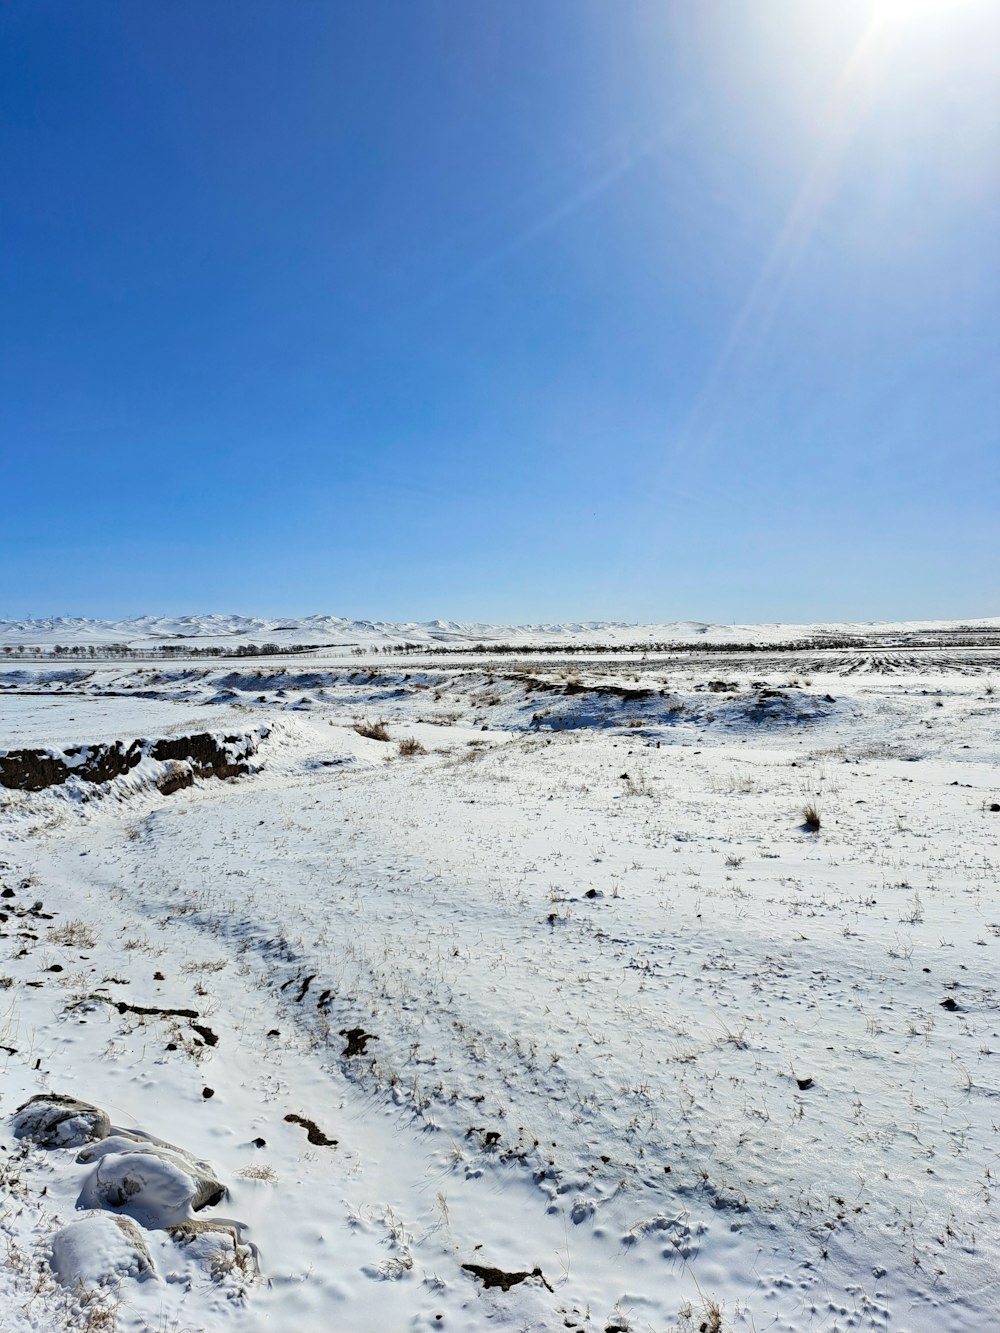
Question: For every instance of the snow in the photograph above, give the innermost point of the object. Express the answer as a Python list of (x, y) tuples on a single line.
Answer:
[(48, 721), (98, 1252), (574, 990), (153, 1185), (340, 632)]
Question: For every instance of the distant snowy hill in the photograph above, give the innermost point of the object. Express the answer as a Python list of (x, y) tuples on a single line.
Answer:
[(336, 631)]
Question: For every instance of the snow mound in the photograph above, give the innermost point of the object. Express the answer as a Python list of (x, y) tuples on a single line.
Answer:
[(156, 1186), (216, 1247), (100, 1251)]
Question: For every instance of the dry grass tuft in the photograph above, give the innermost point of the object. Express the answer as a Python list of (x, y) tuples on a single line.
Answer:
[(373, 731), (810, 817), (77, 934), (258, 1171), (409, 746), (707, 1319)]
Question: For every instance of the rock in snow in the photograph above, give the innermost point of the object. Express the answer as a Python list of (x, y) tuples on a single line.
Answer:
[(54, 1121)]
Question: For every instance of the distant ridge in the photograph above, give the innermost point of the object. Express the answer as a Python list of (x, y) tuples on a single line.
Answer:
[(216, 630)]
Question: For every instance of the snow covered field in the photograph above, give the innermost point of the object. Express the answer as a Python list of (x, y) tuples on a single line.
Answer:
[(571, 993)]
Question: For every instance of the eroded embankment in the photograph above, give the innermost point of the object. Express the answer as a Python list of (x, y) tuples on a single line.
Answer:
[(183, 759)]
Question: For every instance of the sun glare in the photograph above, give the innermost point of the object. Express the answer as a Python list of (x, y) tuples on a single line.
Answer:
[(898, 11)]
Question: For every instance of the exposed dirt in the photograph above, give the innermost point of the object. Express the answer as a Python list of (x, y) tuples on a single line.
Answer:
[(198, 756), (313, 1132), (33, 770), (357, 1040), (124, 1008), (496, 1277)]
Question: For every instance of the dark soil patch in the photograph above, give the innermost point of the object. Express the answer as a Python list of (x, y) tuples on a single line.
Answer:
[(357, 1040), (179, 778), (313, 1132), (206, 755), (490, 1138), (202, 755), (33, 770), (496, 1277), (124, 1007)]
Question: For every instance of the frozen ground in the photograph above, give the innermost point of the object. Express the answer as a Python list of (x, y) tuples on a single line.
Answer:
[(574, 990)]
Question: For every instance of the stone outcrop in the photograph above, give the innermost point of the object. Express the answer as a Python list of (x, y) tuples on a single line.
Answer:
[(54, 1121)]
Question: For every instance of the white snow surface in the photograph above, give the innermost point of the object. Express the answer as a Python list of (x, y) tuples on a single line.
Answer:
[(338, 631), (575, 989), (96, 1251)]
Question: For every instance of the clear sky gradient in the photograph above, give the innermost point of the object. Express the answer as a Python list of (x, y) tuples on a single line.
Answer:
[(499, 310)]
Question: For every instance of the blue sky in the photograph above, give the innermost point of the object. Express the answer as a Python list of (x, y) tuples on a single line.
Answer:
[(509, 311)]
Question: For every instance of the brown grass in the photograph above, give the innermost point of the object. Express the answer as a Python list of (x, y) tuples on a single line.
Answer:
[(75, 934), (810, 817), (409, 746), (373, 731)]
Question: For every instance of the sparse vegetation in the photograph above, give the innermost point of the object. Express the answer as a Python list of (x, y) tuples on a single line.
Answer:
[(258, 1171), (373, 731), (811, 818), (409, 747), (74, 934), (707, 1319), (914, 913)]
